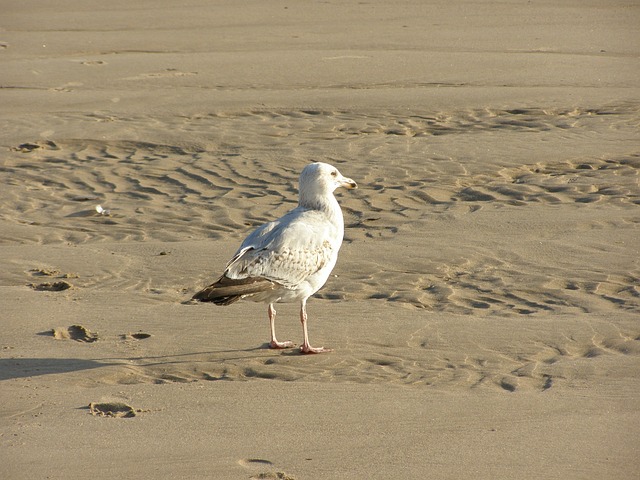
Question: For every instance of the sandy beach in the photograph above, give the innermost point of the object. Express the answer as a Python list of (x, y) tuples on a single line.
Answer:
[(484, 313)]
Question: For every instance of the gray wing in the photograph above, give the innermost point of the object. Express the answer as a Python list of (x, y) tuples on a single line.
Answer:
[(288, 250)]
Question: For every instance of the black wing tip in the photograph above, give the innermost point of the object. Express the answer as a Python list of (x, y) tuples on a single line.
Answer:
[(209, 294), (227, 291)]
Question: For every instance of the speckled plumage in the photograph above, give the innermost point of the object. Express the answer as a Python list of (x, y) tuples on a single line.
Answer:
[(290, 258)]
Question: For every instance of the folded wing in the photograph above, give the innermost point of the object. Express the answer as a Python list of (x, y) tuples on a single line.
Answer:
[(283, 253)]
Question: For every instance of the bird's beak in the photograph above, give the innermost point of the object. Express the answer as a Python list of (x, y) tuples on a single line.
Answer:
[(348, 183)]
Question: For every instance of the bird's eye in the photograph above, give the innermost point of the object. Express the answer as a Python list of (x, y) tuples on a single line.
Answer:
[(334, 173)]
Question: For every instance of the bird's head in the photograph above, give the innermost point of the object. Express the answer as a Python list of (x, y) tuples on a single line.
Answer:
[(320, 179)]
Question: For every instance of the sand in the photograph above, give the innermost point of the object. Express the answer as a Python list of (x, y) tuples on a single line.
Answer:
[(484, 312)]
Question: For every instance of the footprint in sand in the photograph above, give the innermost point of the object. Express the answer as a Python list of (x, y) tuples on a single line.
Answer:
[(58, 286), (135, 336), (255, 462), (80, 333), (260, 464), (31, 146), (44, 272), (113, 409), (51, 287), (74, 332)]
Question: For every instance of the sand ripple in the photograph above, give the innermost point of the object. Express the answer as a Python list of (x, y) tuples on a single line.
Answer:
[(423, 175)]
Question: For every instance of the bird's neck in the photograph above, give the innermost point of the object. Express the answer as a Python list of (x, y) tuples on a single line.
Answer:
[(326, 204)]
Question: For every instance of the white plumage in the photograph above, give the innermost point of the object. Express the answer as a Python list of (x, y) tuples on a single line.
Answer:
[(289, 259)]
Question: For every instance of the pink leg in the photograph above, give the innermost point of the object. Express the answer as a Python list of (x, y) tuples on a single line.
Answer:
[(306, 348), (272, 323)]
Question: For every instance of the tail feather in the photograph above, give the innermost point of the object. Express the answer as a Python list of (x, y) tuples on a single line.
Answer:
[(226, 291)]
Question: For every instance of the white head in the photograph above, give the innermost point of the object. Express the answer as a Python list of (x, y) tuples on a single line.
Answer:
[(318, 181)]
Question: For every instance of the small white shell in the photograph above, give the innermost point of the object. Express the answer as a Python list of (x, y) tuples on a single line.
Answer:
[(102, 211)]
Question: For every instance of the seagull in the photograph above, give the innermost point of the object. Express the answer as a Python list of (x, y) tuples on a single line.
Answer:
[(288, 259)]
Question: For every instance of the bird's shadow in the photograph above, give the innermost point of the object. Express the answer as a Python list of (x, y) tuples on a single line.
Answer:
[(11, 368), (288, 352), (32, 367)]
